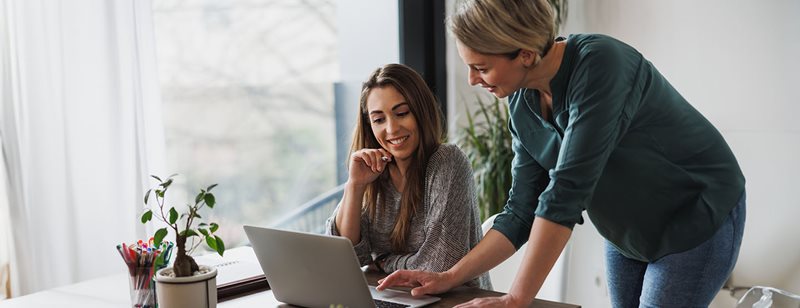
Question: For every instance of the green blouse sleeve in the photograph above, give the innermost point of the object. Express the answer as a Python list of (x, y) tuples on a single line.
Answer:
[(529, 180), (600, 99)]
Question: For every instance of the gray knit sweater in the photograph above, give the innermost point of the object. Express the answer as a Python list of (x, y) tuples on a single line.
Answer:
[(442, 231)]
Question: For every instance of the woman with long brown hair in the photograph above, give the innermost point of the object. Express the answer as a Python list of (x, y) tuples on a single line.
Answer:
[(409, 201)]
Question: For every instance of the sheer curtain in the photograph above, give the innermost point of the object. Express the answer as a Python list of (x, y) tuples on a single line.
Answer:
[(81, 129)]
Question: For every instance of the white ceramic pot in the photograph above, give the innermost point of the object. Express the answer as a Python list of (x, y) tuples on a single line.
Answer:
[(198, 291)]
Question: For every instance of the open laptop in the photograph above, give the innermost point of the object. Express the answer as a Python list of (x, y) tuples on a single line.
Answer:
[(314, 270)]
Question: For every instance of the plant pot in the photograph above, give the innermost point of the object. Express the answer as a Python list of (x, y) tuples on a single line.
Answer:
[(198, 291)]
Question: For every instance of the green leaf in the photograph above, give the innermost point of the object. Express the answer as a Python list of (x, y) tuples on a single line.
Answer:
[(147, 195), (210, 200), (211, 242), (220, 245), (203, 231), (488, 147), (160, 193), (211, 187), (160, 260), (199, 197), (155, 177), (202, 224), (189, 232), (147, 216), (214, 227), (173, 216), (172, 175), (166, 184), (160, 235)]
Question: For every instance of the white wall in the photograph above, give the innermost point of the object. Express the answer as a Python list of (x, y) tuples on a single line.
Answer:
[(369, 37), (735, 61)]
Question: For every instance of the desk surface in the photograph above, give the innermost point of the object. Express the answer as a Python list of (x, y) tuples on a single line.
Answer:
[(112, 291), (464, 294)]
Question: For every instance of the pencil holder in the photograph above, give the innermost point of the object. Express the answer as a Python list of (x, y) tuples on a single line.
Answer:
[(143, 260), (142, 287)]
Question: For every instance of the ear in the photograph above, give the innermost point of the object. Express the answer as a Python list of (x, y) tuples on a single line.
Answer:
[(528, 57)]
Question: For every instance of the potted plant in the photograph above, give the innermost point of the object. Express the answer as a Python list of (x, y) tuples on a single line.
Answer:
[(488, 146), (185, 284)]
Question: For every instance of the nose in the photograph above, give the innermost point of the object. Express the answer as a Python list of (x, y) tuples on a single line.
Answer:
[(473, 77), (392, 125)]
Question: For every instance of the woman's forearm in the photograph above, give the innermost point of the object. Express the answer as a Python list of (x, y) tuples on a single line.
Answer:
[(493, 249), (547, 240), (348, 218)]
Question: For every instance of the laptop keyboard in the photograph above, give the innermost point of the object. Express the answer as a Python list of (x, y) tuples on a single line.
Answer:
[(385, 304)]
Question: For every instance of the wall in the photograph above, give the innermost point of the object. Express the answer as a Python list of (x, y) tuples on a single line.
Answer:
[(369, 37), (735, 62)]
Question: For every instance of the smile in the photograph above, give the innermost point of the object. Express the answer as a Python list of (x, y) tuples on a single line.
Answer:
[(397, 141)]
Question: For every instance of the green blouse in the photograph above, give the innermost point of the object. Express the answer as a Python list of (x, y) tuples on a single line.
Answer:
[(654, 176)]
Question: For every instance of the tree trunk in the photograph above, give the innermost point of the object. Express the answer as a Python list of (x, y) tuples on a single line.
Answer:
[(184, 265)]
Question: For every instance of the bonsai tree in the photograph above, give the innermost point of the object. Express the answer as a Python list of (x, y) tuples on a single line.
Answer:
[(183, 225)]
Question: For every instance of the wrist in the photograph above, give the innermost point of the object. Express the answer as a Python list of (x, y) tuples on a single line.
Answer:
[(355, 187), (512, 300), (380, 262), (451, 278)]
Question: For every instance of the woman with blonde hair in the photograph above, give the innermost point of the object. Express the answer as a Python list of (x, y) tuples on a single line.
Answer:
[(409, 201), (596, 128)]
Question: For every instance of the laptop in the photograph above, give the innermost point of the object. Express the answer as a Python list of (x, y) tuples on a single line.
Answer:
[(315, 270)]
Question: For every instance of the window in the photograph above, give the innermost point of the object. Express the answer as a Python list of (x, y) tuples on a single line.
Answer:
[(248, 102)]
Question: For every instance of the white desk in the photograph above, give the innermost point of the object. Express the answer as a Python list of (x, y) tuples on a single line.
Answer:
[(112, 291)]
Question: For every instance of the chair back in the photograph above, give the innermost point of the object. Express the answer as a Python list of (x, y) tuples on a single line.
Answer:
[(768, 297)]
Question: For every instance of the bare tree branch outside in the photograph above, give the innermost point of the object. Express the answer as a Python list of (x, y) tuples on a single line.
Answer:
[(247, 91)]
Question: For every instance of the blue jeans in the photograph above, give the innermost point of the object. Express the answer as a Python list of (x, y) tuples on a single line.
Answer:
[(687, 279)]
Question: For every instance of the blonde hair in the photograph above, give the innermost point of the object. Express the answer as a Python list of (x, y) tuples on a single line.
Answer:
[(504, 26), (425, 110)]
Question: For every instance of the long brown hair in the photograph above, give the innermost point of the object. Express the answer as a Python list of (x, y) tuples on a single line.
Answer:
[(425, 110)]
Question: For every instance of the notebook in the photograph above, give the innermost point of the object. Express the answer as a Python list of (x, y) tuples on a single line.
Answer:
[(238, 273), (315, 270)]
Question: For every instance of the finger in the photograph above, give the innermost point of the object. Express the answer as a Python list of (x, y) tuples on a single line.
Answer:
[(392, 280), (385, 155), (361, 155), (386, 282), (421, 290), (377, 162)]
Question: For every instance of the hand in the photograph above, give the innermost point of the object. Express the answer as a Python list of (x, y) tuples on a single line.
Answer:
[(421, 281), (372, 267), (507, 300), (376, 267), (367, 164)]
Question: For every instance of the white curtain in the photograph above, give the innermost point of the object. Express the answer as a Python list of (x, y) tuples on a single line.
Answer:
[(81, 129), (5, 230)]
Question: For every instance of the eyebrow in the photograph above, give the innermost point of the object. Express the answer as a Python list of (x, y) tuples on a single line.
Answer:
[(393, 108)]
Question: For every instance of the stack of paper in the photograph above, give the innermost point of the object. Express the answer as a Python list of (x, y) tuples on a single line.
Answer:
[(238, 273)]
